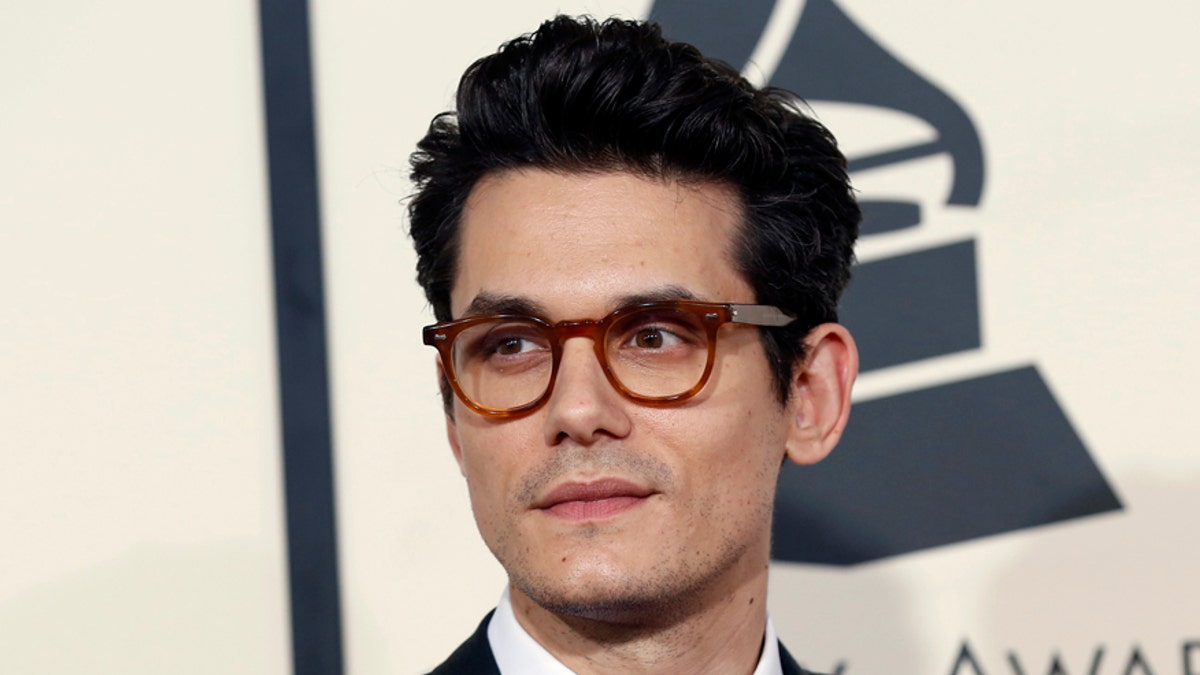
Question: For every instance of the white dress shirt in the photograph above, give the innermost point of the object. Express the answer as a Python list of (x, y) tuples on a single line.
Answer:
[(517, 653)]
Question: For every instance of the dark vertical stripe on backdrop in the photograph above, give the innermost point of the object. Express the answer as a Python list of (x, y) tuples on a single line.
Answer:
[(300, 328)]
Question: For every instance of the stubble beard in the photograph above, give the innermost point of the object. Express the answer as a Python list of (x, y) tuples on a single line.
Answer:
[(651, 595), (662, 596)]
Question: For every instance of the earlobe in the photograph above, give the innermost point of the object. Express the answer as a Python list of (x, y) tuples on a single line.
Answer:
[(820, 393)]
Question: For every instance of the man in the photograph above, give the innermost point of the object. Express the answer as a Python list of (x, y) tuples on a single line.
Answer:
[(635, 259)]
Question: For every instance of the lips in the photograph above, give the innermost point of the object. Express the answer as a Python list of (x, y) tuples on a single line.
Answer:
[(592, 500)]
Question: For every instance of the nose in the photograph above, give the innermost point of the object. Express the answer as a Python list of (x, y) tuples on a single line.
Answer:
[(583, 407)]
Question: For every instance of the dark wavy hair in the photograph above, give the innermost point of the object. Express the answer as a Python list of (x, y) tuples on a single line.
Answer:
[(579, 95)]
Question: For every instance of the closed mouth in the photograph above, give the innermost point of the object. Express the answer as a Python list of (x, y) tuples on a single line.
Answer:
[(593, 499)]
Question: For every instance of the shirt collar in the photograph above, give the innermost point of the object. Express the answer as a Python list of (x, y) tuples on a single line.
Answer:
[(516, 651)]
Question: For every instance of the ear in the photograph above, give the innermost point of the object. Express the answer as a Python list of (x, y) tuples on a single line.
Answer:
[(451, 426), (819, 405)]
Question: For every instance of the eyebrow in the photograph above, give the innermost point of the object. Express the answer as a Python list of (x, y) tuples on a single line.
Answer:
[(661, 294), (495, 303), (492, 303)]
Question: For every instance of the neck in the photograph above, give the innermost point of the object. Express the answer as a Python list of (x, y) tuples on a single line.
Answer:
[(718, 630)]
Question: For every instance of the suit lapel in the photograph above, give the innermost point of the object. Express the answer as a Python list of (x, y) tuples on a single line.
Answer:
[(790, 667), (473, 657)]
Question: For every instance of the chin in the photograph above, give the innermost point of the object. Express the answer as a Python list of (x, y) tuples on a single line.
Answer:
[(627, 596), (610, 605)]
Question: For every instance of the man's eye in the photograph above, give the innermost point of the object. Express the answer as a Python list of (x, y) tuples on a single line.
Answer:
[(655, 338), (508, 346)]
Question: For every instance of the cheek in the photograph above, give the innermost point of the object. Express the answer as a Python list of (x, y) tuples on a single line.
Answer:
[(725, 457), (488, 468)]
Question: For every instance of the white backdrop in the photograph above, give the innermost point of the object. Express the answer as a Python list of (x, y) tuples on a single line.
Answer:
[(140, 485), (140, 492)]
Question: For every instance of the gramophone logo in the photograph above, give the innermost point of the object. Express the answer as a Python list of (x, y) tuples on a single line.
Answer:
[(982, 454)]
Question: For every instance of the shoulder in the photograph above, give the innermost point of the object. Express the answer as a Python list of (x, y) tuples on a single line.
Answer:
[(473, 657)]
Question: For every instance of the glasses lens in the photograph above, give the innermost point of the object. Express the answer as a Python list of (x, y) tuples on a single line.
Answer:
[(503, 364), (658, 352)]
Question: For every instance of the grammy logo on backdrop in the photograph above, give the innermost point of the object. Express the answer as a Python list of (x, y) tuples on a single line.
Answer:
[(977, 456)]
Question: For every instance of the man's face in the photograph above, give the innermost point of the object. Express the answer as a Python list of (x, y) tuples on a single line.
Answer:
[(660, 502)]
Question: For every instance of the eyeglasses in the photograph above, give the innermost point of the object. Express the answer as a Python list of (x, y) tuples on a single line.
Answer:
[(504, 365)]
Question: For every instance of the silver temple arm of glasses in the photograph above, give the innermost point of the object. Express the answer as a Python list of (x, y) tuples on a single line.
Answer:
[(760, 315)]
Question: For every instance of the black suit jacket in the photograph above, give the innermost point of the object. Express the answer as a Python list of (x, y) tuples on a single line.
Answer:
[(474, 657)]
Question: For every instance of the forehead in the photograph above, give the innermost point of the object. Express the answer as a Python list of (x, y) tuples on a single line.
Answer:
[(575, 243)]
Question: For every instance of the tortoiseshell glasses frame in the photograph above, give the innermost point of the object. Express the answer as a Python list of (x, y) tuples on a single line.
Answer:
[(654, 353)]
